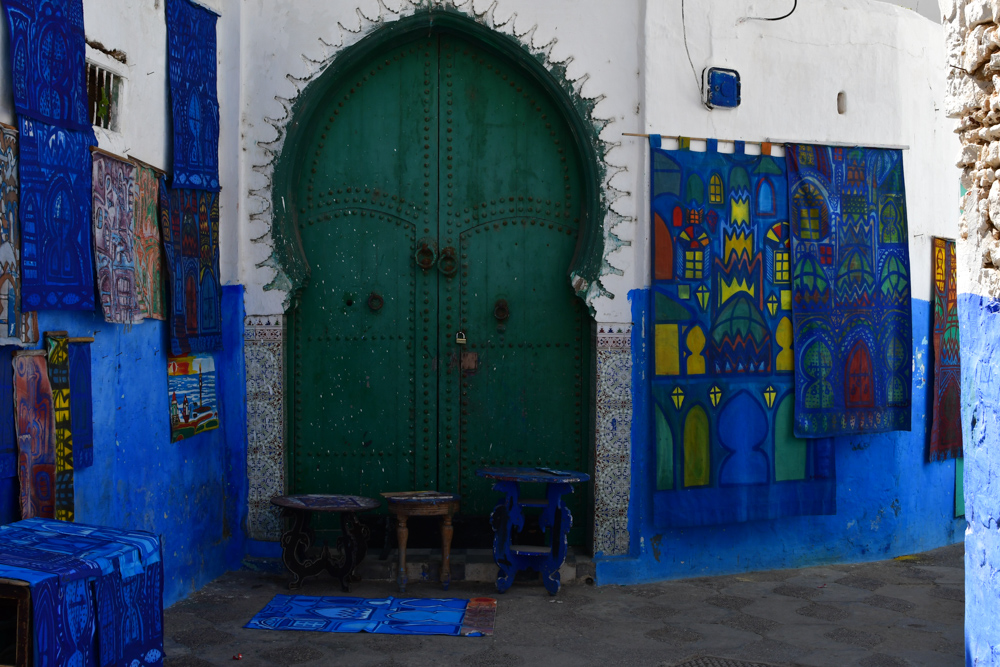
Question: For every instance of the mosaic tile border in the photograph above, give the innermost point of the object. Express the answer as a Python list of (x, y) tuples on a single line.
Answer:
[(613, 441), (264, 352)]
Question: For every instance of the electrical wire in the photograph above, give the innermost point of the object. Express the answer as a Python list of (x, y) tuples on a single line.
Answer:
[(795, 6), (697, 79)]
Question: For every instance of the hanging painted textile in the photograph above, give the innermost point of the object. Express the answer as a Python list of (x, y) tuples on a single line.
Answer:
[(191, 392), (189, 222), (946, 424), (81, 402), (47, 62), (13, 322), (193, 95), (851, 293), (57, 267), (87, 581), (36, 452), (722, 345), (8, 433), (148, 257), (57, 346), (114, 238)]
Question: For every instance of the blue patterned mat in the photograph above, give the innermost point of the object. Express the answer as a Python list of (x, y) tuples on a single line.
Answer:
[(386, 616)]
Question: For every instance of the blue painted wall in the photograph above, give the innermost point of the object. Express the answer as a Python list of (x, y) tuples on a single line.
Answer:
[(889, 501), (191, 493), (979, 321)]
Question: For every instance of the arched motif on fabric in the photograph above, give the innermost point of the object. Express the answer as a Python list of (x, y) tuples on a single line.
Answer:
[(859, 389), (697, 444)]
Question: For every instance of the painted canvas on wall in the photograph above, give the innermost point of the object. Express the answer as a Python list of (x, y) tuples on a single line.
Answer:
[(57, 263), (191, 47), (57, 346), (189, 222), (8, 433), (723, 362), (946, 424), (36, 458), (114, 239), (13, 321), (191, 395), (148, 256), (851, 293)]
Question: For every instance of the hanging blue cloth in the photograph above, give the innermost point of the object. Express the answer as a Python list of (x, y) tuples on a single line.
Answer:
[(81, 404), (57, 262), (8, 438), (47, 62), (193, 95)]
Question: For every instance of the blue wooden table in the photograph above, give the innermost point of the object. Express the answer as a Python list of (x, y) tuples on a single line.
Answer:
[(508, 518)]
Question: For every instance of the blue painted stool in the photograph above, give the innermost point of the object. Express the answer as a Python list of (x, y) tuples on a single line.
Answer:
[(508, 517)]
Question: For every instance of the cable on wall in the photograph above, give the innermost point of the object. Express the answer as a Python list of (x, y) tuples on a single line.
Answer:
[(795, 6)]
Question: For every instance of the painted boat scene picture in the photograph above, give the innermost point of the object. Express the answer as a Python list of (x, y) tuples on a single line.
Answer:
[(191, 387)]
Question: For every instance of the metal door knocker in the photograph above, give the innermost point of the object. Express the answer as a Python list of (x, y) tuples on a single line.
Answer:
[(448, 264), (426, 254), (501, 310), (375, 302)]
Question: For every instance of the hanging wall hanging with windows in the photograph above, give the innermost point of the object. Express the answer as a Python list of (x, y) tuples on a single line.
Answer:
[(114, 238), (36, 453), (722, 345), (149, 289), (17, 327), (946, 423)]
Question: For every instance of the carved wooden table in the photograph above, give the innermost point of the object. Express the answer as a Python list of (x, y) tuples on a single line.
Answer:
[(508, 517), (296, 541), (405, 504)]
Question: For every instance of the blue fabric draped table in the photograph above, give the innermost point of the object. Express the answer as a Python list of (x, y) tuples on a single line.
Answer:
[(508, 517), (96, 592)]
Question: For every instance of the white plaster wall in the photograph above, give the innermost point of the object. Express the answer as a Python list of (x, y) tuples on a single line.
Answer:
[(138, 28), (889, 61)]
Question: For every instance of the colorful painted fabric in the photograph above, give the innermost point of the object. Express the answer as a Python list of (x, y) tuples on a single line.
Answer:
[(851, 294), (191, 391), (387, 616), (86, 580), (946, 423), (13, 322), (193, 95), (723, 396), (57, 346), (47, 62), (189, 222), (36, 457), (8, 432), (114, 239), (57, 266), (148, 256), (81, 404)]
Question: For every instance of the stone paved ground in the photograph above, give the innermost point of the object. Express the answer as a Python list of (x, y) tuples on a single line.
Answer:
[(907, 611)]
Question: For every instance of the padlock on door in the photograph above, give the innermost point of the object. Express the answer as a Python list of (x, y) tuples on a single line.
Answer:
[(460, 338)]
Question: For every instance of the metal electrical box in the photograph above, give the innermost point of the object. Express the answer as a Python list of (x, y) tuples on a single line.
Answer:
[(722, 87)]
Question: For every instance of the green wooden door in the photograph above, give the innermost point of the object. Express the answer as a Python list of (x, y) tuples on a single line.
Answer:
[(439, 192)]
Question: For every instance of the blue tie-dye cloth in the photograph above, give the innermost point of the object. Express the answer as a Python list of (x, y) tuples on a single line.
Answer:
[(47, 62), (116, 621), (193, 95), (387, 616)]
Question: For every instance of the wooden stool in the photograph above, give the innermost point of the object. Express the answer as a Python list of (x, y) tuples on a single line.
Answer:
[(405, 504)]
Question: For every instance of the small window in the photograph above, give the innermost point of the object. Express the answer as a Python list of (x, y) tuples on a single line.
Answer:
[(694, 261), (782, 265), (104, 92)]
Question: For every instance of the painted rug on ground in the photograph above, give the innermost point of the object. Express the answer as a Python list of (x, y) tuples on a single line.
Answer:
[(148, 256), (57, 264), (88, 580), (81, 402), (389, 616), (946, 424), (851, 293), (58, 366), (723, 394), (12, 325), (47, 61), (189, 222), (191, 44), (114, 239), (36, 451), (191, 391)]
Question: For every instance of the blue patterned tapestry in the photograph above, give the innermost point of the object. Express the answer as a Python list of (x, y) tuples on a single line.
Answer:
[(57, 264), (47, 62), (851, 303), (721, 327), (189, 224), (86, 580), (8, 432), (81, 403), (193, 95), (388, 616)]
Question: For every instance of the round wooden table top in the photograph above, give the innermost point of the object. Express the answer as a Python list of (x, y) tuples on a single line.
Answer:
[(420, 497), (315, 502)]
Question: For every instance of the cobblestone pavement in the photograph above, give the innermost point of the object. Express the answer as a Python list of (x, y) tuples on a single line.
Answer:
[(906, 611)]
